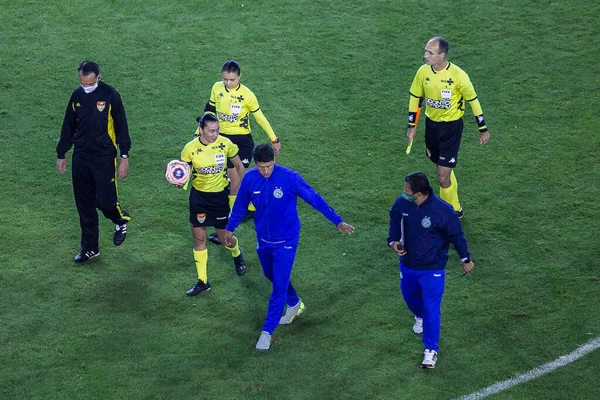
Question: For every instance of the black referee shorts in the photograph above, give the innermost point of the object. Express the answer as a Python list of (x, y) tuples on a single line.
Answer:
[(209, 209), (443, 141), (246, 146)]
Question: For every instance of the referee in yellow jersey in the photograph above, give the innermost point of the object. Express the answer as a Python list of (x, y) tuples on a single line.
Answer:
[(445, 88), (207, 155), (233, 103)]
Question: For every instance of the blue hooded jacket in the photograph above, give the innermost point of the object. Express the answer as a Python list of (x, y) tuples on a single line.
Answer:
[(275, 198), (428, 231)]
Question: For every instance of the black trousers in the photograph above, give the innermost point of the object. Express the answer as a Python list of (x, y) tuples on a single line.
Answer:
[(95, 186)]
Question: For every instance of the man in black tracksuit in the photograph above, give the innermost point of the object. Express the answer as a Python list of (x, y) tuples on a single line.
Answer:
[(95, 123)]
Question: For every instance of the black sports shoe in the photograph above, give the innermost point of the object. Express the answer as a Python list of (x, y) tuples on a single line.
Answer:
[(200, 286), (249, 215), (240, 264), (213, 238), (460, 213), (120, 234), (83, 256)]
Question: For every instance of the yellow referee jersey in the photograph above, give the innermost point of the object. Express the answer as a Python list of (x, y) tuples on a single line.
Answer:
[(209, 163), (233, 110), (444, 92)]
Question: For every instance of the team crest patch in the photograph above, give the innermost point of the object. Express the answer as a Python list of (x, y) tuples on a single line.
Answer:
[(201, 218), (100, 105), (426, 222), (278, 193), (428, 152)]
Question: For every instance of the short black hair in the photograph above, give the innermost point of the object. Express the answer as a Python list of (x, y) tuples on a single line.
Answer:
[(205, 118), (443, 44), (87, 67), (263, 153), (231, 66), (418, 183)]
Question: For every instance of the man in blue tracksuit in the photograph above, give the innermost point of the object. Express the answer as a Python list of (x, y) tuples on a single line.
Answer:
[(274, 190), (422, 226)]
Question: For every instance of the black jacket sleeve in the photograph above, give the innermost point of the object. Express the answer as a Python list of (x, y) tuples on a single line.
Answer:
[(68, 130), (121, 127)]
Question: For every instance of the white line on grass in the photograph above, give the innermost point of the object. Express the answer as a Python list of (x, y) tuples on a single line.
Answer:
[(536, 372)]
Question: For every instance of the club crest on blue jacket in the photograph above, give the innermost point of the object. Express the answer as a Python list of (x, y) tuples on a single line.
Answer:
[(426, 222)]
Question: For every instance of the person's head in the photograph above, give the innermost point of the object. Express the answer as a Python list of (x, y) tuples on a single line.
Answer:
[(416, 188), (231, 74), (436, 50), (264, 159), (89, 75), (209, 127)]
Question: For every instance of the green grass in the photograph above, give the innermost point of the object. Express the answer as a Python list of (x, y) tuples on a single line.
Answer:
[(332, 78)]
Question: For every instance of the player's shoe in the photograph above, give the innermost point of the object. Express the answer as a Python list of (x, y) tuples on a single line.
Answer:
[(264, 342), (460, 213), (83, 256), (200, 286), (292, 312), (214, 239), (429, 359), (418, 326), (249, 215), (240, 264)]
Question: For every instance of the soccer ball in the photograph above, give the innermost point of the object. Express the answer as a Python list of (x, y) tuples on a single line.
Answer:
[(177, 172)]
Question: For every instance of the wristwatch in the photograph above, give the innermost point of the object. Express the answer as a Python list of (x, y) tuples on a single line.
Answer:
[(125, 156), (275, 141)]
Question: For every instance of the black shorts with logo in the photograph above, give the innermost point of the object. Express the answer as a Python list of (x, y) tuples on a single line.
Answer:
[(443, 141), (209, 209), (245, 143)]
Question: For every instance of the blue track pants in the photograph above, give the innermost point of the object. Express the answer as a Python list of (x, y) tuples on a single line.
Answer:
[(277, 261), (422, 291)]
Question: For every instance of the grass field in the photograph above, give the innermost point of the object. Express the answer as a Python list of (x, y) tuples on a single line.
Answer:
[(332, 78)]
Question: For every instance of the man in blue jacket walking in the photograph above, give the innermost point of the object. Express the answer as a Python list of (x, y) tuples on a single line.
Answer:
[(422, 226), (274, 190)]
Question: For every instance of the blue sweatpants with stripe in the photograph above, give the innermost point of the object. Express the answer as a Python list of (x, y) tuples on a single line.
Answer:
[(277, 260), (422, 291)]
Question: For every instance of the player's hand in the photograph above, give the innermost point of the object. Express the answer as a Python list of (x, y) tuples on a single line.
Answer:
[(398, 248), (276, 147), (468, 267), (61, 165), (123, 168), (345, 228), (229, 239), (484, 138), (411, 133)]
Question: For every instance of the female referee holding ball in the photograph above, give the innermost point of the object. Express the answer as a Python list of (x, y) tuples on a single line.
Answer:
[(208, 154)]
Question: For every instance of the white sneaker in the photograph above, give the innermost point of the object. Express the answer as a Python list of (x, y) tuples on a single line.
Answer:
[(429, 359), (264, 342), (292, 312), (418, 326)]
